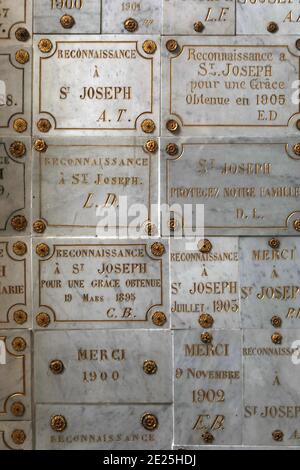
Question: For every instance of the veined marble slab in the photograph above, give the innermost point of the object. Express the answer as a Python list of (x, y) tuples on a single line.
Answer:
[(15, 375), (225, 86), (183, 17), (104, 427), (147, 16), (14, 16), (97, 85), (208, 388), (15, 436), (85, 283)]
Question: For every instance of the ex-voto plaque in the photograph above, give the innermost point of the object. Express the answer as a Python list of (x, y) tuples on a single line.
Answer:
[(231, 86), (106, 85), (15, 20)]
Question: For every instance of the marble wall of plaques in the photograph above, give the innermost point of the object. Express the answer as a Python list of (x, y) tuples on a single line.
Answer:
[(114, 341)]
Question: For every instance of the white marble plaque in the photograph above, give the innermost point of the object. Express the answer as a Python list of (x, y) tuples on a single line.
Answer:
[(116, 427), (15, 436), (103, 366), (244, 188), (226, 86), (14, 14), (15, 92), (270, 288), (205, 17), (52, 16), (208, 388), (271, 388), (205, 283), (257, 16), (15, 283), (92, 284), (117, 16), (76, 182), (108, 85), (15, 375)]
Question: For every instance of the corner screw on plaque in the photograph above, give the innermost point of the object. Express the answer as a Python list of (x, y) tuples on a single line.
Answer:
[(274, 243), (22, 56), (45, 45), (159, 318), (172, 225), (19, 223), (298, 124), (276, 338), (39, 226), (172, 126), (149, 421), (58, 423), (158, 249), (172, 149), (22, 34), (272, 27), (296, 149), (150, 367), (17, 149), (208, 438), (17, 409), (131, 25), (19, 344), (18, 436), (44, 125), (276, 321), (297, 225), (56, 366), (20, 317), (67, 21), (42, 250), (43, 320), (40, 145), (148, 126), (205, 246), (150, 229), (19, 248), (199, 26), (172, 45), (151, 146), (277, 435), (206, 337), (149, 46), (20, 125), (206, 320), (298, 44)]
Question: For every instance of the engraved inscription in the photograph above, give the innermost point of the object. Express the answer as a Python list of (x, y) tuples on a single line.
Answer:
[(12, 14)]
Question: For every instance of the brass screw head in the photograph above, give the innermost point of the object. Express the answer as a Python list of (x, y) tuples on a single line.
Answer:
[(276, 321), (17, 409), (67, 21), (20, 317), (172, 45), (22, 56), (19, 223), (131, 25), (158, 249), (172, 225), (206, 337), (56, 366), (150, 367), (22, 34), (150, 229), (44, 125), (43, 320), (297, 225), (151, 146), (298, 44), (149, 421), (20, 125), (298, 124), (172, 149), (199, 26), (42, 250), (45, 45), (58, 423), (206, 320), (159, 318), (19, 248), (172, 125), (272, 27), (208, 438), (39, 226), (276, 338), (274, 243), (205, 246), (277, 435), (17, 149), (19, 344), (149, 46), (296, 149), (40, 145), (148, 126), (18, 436)]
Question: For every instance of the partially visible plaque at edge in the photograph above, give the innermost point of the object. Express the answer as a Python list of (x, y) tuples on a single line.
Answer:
[(15, 435), (15, 16)]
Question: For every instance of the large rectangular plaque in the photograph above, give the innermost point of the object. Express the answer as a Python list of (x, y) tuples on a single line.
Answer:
[(14, 15), (15, 86), (15, 283), (231, 86), (102, 366), (104, 427), (270, 288), (141, 16), (205, 283), (208, 388), (75, 179), (15, 375), (271, 388), (245, 188), (102, 284), (106, 85), (208, 17), (15, 436), (67, 16)]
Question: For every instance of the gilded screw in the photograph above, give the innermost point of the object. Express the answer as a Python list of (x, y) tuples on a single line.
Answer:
[(150, 229), (172, 125), (45, 45), (44, 125), (274, 243), (149, 46), (151, 146), (206, 337), (159, 318), (19, 248), (19, 344), (149, 421), (158, 249), (19, 223), (20, 317), (276, 321), (150, 367), (297, 225), (20, 125), (17, 409), (67, 21), (172, 225), (39, 226), (205, 246), (172, 149), (206, 320), (298, 124), (148, 126), (56, 366), (277, 435), (272, 27), (58, 423), (296, 149), (40, 145), (22, 56), (131, 25), (17, 149), (18, 436), (22, 34), (172, 45), (298, 44), (276, 338), (42, 250), (43, 320), (199, 26), (208, 438)]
